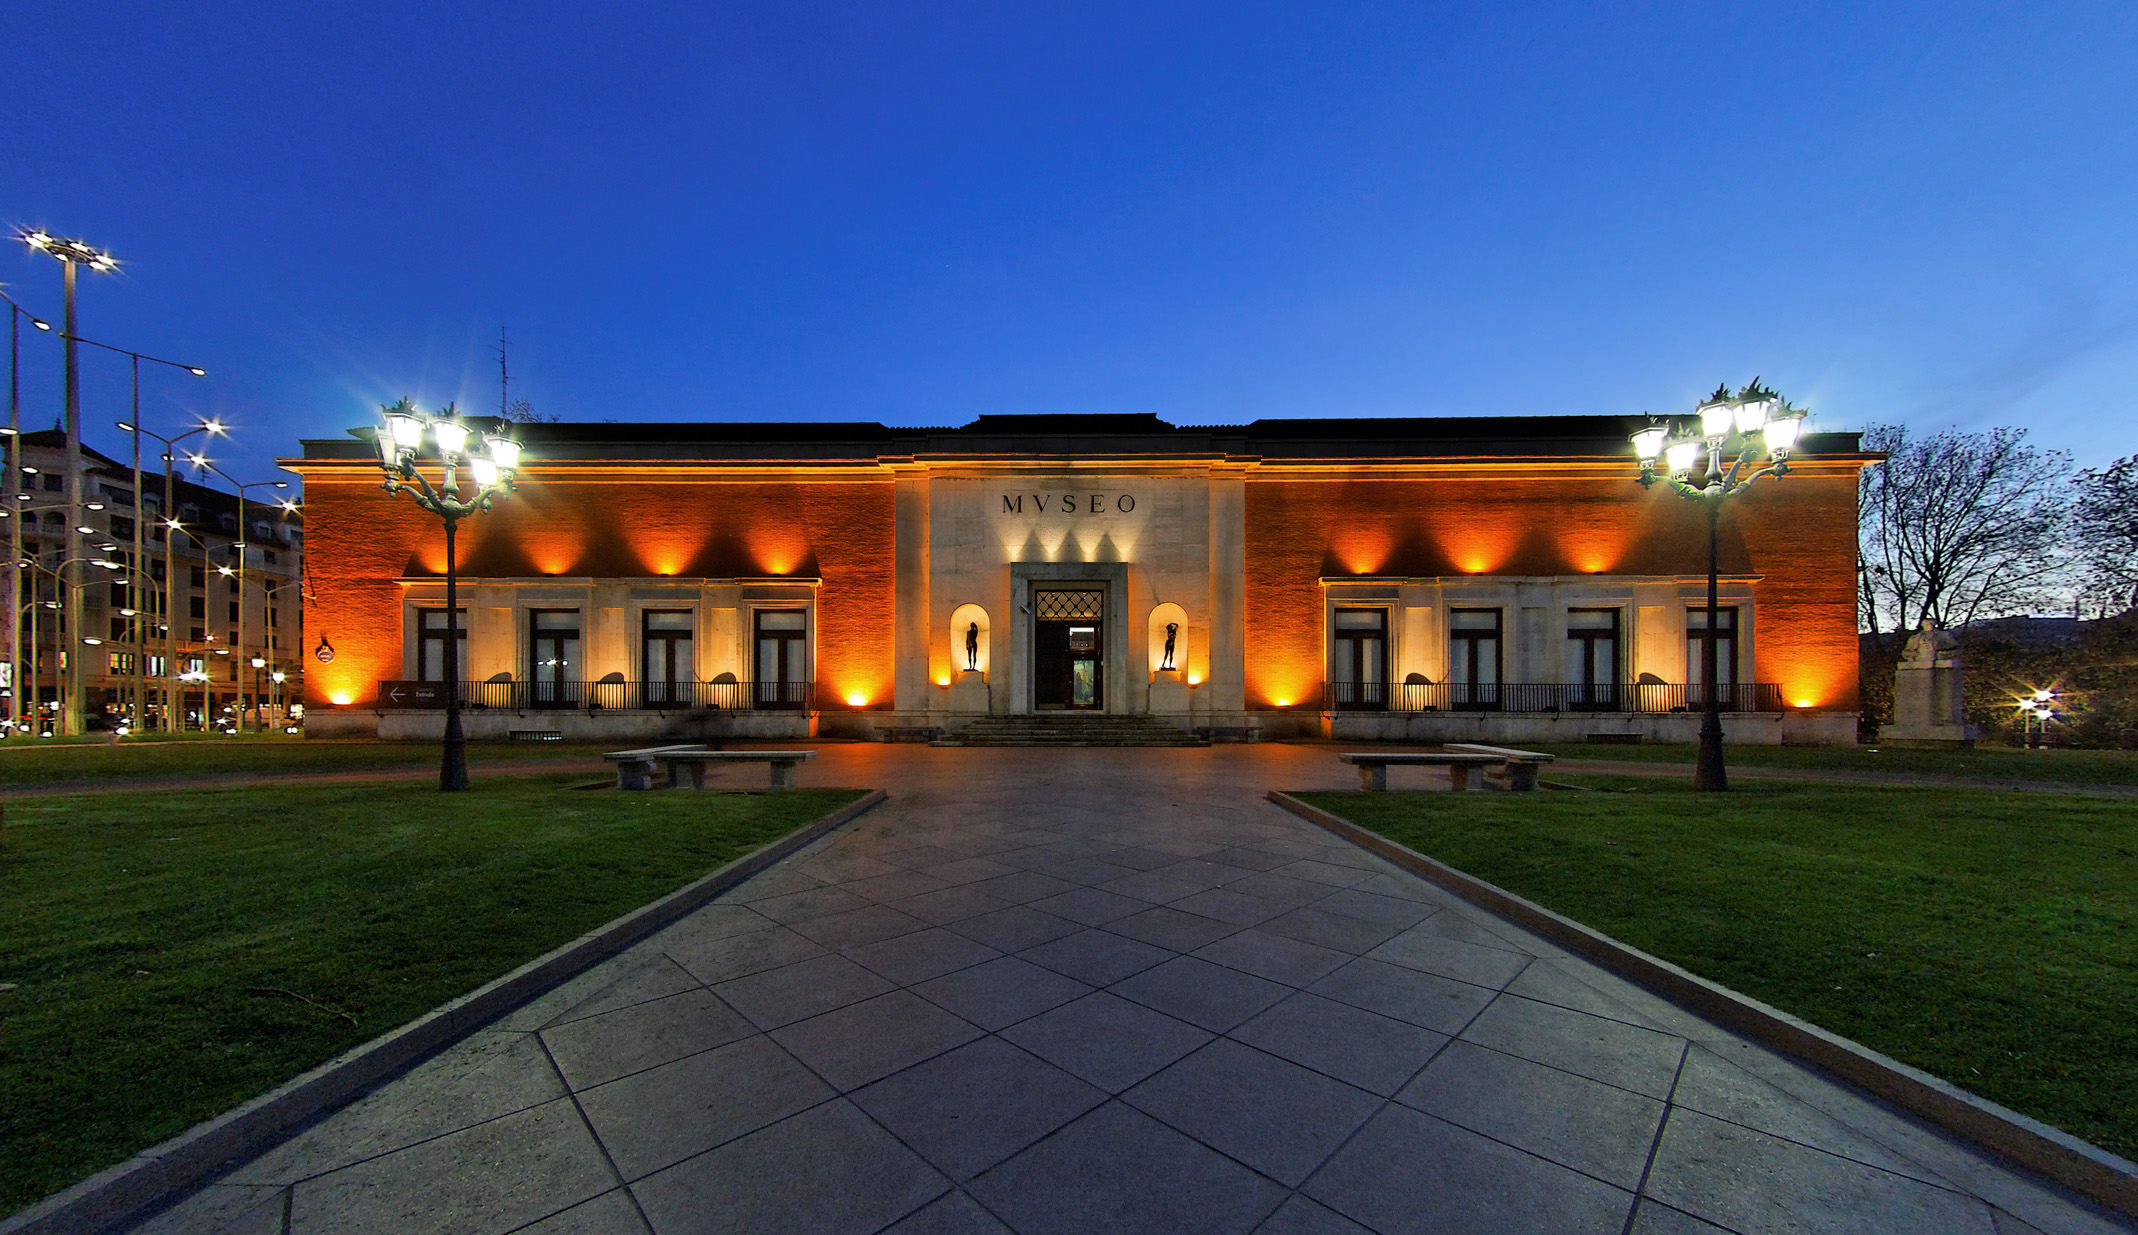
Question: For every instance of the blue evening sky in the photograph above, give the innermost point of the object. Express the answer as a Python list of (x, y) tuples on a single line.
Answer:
[(920, 212)]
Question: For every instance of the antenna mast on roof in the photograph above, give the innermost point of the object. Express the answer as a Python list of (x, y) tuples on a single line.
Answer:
[(504, 377)]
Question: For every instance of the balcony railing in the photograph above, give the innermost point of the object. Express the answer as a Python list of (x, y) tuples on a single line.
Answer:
[(1625, 697), (610, 696)]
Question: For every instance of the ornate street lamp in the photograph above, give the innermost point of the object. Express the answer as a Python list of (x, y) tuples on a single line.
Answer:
[(400, 441), (1735, 432)]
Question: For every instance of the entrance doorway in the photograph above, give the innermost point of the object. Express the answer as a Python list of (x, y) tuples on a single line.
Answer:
[(1068, 644)]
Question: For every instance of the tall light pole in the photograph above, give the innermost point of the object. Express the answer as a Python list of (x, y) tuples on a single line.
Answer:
[(400, 442), (1740, 425), (71, 255), (173, 694), (140, 633), (17, 514), (15, 314), (69, 638), (242, 544)]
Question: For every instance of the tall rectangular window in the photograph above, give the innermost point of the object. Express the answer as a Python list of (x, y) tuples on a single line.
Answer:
[(782, 658), (553, 649), (430, 644), (1592, 650), (1358, 668), (1698, 631), (667, 666), (1474, 658)]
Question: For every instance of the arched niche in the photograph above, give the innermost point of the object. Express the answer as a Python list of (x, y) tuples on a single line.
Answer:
[(968, 646), (1169, 614)]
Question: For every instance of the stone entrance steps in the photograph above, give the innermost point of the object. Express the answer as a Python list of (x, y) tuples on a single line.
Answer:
[(1070, 729)]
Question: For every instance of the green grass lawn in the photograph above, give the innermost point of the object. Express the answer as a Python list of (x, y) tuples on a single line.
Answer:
[(1989, 938), (156, 760), (135, 925), (2068, 767)]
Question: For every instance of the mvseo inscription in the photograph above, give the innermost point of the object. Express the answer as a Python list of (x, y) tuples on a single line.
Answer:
[(1067, 503)]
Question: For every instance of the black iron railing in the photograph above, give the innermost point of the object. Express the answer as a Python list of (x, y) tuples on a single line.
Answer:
[(610, 696), (1622, 697)]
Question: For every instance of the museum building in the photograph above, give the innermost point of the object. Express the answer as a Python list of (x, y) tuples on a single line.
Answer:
[(1497, 578)]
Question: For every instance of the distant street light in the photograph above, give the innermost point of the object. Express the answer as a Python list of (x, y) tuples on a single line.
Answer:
[(1744, 424), (173, 693), (400, 443), (2035, 713), (242, 545)]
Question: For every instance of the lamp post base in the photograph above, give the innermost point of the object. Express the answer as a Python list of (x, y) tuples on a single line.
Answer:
[(453, 769), (1708, 773)]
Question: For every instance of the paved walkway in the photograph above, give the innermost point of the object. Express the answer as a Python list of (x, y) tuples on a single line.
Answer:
[(1099, 991)]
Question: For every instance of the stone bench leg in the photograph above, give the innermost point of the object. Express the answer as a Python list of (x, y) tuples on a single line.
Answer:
[(637, 775), (1373, 777), (686, 774), (1522, 777), (782, 773), (1459, 777)]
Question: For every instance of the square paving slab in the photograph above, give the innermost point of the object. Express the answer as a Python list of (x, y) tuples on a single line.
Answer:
[(1102, 992)]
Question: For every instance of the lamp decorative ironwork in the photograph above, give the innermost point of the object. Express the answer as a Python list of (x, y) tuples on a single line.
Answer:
[(493, 473), (1742, 437)]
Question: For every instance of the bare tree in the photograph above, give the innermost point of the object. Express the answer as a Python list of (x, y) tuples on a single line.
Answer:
[(520, 411), (1958, 526), (2104, 526)]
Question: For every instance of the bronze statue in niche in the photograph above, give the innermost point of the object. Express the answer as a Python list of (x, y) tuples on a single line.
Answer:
[(972, 648), (1172, 634)]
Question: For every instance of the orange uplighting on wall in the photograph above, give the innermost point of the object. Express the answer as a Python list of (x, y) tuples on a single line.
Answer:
[(341, 698), (777, 550), (1363, 551), (1477, 555), (857, 700), (1591, 550), (665, 559)]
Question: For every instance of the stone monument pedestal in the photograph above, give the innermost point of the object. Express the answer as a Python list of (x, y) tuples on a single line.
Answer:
[(1169, 695), (1930, 695), (968, 692)]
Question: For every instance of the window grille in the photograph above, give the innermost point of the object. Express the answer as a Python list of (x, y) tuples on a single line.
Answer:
[(1069, 606)]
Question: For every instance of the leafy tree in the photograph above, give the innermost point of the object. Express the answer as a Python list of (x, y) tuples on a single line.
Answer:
[(1957, 526)]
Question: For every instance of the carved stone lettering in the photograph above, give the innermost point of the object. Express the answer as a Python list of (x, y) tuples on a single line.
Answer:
[(1094, 503)]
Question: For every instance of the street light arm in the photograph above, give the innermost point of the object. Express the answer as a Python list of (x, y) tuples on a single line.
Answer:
[(446, 505), (35, 320), (195, 370)]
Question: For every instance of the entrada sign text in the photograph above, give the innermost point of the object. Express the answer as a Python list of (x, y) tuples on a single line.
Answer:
[(1066, 503)]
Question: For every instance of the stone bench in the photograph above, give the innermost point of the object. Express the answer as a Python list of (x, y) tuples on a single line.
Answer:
[(1373, 767), (1518, 767), (685, 765)]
